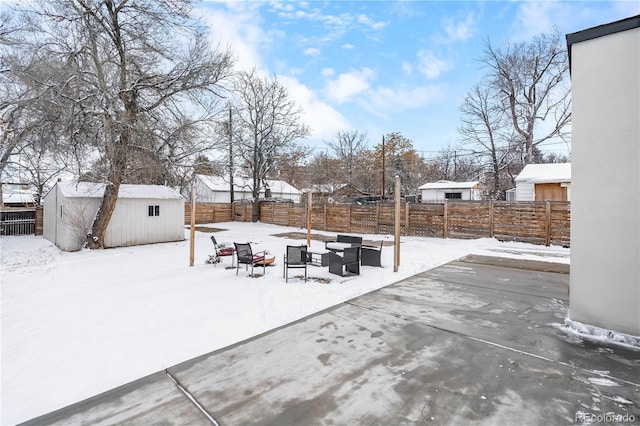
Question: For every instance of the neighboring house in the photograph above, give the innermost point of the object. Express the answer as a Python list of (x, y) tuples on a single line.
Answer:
[(540, 182), (144, 214), (216, 189), (18, 199), (605, 199), (17, 195), (446, 190)]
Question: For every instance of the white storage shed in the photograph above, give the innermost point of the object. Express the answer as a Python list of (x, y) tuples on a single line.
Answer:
[(215, 189), (144, 214), (540, 182), (447, 190)]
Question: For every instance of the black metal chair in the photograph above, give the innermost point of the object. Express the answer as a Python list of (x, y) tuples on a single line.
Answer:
[(296, 257), (223, 249), (246, 256), (348, 263), (371, 255)]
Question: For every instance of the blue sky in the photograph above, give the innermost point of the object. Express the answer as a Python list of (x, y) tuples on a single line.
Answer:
[(385, 66)]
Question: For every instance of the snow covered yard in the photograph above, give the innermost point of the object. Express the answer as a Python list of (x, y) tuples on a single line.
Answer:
[(77, 324)]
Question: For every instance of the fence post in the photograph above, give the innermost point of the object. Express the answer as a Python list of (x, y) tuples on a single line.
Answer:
[(396, 250), (39, 225), (325, 215), (491, 207), (406, 219), (445, 221), (192, 233), (547, 223), (309, 219)]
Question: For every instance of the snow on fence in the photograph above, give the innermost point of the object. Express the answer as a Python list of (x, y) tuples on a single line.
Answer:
[(537, 222)]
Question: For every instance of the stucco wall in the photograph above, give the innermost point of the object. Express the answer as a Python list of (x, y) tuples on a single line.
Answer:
[(605, 193)]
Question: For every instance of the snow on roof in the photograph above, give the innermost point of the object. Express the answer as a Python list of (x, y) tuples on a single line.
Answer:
[(445, 184), (242, 184), (96, 190), (17, 197), (540, 173)]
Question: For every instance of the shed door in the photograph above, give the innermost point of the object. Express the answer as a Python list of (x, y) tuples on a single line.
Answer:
[(550, 191)]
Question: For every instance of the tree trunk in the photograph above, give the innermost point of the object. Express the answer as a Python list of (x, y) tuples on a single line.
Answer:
[(118, 151), (95, 237), (255, 208)]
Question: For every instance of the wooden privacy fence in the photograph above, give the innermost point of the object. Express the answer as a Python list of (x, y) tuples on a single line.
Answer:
[(537, 222)]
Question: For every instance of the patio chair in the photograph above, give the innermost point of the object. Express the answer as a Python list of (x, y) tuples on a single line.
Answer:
[(221, 250), (348, 263), (371, 255), (296, 257), (246, 256)]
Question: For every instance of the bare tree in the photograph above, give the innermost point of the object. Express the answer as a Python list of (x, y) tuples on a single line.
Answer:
[(266, 125), (531, 79), (140, 76), (24, 104), (348, 147), (450, 164), (485, 129), (395, 155)]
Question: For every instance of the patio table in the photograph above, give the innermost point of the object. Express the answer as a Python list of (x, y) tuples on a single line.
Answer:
[(337, 247)]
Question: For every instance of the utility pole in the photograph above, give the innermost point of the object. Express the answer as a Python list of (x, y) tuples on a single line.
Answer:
[(455, 165)]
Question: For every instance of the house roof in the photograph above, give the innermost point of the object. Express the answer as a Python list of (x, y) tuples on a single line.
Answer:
[(242, 184), (96, 190), (17, 197), (545, 173), (601, 31), (445, 184)]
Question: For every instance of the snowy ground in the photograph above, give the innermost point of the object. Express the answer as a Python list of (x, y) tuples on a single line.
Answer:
[(77, 324)]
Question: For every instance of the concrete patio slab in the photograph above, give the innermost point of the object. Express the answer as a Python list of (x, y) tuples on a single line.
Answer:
[(475, 341)]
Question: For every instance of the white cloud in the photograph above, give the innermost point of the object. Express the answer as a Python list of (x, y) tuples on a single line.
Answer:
[(239, 28), (312, 51), (430, 65), (396, 99), (327, 72), (533, 19), (365, 20), (348, 46), (407, 68), (323, 119), (348, 85), (460, 30)]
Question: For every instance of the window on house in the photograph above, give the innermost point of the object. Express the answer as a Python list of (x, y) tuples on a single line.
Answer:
[(154, 210), (453, 195)]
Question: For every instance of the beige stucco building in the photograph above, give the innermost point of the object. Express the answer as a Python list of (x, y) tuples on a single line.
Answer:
[(605, 193)]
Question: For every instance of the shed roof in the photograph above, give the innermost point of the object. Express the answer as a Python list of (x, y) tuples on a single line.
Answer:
[(240, 184), (445, 184), (545, 173), (96, 190)]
